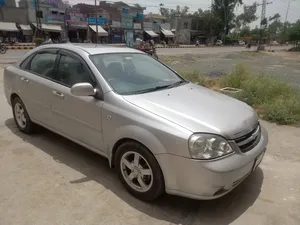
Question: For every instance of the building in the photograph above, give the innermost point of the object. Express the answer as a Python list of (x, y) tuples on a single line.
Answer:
[(117, 21), (161, 28), (10, 3), (51, 18), (76, 25), (11, 18)]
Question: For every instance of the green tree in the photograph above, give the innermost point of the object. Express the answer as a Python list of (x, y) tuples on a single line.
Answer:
[(223, 11), (248, 16), (294, 32), (275, 26)]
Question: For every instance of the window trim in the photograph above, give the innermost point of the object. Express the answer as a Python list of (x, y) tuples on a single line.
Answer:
[(64, 52), (33, 55), (58, 51)]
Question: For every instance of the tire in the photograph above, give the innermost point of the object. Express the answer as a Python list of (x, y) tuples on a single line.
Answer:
[(22, 120), (154, 185), (3, 50)]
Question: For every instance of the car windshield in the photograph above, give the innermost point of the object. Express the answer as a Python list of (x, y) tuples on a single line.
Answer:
[(134, 73)]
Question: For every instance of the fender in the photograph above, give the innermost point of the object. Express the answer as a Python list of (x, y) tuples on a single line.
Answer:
[(138, 134)]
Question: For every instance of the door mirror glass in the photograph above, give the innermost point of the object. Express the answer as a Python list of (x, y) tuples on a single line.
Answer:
[(83, 89)]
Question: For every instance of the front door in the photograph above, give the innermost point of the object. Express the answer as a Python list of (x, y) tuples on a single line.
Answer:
[(76, 117)]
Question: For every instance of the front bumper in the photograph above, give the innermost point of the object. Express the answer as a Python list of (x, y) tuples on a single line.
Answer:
[(200, 179)]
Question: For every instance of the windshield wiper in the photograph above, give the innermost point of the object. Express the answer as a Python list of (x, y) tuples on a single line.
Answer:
[(152, 89), (177, 83)]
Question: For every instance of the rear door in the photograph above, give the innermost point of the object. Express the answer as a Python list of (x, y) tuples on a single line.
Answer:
[(76, 117), (37, 76)]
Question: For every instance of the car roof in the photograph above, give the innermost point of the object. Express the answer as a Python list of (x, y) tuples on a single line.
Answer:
[(92, 49)]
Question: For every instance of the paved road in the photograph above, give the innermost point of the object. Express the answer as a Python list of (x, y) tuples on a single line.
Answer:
[(48, 180), (13, 55)]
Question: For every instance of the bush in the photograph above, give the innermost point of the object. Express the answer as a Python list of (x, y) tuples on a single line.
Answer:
[(261, 89), (236, 78), (199, 79), (282, 110)]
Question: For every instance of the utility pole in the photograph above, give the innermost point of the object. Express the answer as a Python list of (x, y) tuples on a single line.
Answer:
[(287, 11), (225, 20), (38, 15), (286, 16), (210, 22), (97, 35), (262, 21)]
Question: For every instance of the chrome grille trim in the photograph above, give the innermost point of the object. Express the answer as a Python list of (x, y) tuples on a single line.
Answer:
[(250, 140)]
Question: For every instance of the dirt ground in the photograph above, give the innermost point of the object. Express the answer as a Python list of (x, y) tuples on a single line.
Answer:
[(46, 180), (285, 65)]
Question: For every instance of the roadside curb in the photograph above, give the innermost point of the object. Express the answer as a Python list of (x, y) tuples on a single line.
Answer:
[(20, 47)]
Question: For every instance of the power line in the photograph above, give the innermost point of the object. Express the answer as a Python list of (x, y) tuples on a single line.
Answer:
[(291, 12)]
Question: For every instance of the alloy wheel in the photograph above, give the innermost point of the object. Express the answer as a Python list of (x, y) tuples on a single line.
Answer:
[(20, 115), (136, 171)]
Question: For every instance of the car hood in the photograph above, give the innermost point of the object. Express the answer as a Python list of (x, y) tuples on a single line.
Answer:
[(199, 109)]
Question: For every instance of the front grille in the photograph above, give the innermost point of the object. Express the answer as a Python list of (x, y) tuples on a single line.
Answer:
[(250, 140)]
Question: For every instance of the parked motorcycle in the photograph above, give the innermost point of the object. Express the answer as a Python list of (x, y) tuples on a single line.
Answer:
[(3, 48)]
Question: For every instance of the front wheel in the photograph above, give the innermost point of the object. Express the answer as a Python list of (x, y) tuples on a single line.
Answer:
[(139, 171)]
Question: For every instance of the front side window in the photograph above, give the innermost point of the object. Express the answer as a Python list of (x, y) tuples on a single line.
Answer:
[(43, 64), (72, 71), (135, 73)]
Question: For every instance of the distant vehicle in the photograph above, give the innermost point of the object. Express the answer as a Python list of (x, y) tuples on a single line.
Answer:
[(219, 42), (274, 43), (159, 131), (242, 43)]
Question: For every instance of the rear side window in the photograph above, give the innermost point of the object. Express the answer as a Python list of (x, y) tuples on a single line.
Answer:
[(25, 64), (43, 64)]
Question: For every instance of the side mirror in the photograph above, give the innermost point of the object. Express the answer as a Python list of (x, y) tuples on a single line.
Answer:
[(83, 89)]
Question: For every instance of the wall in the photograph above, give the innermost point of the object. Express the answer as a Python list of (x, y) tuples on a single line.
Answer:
[(10, 3), (183, 36), (15, 15), (46, 6)]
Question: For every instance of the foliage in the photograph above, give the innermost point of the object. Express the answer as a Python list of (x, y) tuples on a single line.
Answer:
[(275, 100), (248, 16), (294, 31)]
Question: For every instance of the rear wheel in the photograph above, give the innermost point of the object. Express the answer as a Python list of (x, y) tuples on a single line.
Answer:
[(21, 116), (139, 171)]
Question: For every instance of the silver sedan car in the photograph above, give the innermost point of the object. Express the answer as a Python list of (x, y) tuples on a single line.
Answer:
[(161, 133)]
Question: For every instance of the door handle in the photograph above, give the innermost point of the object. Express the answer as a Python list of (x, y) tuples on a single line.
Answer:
[(24, 79), (58, 94)]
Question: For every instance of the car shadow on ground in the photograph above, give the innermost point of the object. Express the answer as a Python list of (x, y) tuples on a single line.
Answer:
[(168, 208)]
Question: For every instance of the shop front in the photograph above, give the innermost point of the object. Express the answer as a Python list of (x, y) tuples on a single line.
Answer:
[(98, 30), (166, 34), (50, 30), (77, 27), (116, 34), (148, 33), (26, 33), (8, 32), (102, 34)]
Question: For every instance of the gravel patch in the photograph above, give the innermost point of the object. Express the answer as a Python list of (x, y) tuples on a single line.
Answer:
[(283, 65)]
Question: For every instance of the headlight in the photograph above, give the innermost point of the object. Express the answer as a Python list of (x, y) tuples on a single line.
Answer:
[(208, 146)]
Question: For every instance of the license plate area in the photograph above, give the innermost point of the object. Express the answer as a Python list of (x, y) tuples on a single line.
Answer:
[(258, 160)]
